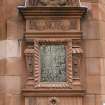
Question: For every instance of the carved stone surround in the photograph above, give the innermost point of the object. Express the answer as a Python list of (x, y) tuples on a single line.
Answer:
[(68, 45), (74, 63), (53, 25)]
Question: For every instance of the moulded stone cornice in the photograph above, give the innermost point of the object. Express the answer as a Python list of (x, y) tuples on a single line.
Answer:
[(52, 11), (53, 92)]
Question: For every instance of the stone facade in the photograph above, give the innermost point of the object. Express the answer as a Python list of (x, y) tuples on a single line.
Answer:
[(12, 65)]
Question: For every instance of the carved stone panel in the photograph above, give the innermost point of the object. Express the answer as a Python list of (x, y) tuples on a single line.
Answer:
[(76, 65), (52, 25), (29, 58), (53, 3), (53, 63)]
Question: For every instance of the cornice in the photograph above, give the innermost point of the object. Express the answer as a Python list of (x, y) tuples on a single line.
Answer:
[(52, 11), (53, 92)]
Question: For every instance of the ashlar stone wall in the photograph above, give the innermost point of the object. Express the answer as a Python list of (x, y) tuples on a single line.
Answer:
[(12, 71)]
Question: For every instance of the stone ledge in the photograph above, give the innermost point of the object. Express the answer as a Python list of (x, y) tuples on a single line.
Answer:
[(52, 92)]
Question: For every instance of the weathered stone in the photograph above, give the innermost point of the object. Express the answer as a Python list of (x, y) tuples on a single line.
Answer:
[(12, 84), (12, 65), (90, 100), (93, 84), (93, 48), (16, 63), (93, 66)]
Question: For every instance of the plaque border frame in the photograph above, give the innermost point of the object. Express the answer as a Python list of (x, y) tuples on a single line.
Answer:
[(37, 66)]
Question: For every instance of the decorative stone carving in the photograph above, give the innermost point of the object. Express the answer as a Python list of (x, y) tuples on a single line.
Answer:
[(53, 101), (53, 25), (37, 69), (54, 3), (29, 55), (53, 17), (76, 65)]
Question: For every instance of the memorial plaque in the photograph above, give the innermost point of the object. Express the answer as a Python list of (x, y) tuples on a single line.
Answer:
[(53, 63)]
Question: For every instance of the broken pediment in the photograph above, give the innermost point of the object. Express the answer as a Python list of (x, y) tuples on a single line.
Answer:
[(52, 3)]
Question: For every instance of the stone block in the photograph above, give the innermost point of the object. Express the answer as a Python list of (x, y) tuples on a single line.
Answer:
[(102, 30), (14, 22), (102, 10), (90, 29), (90, 100), (102, 67), (13, 48), (93, 48), (93, 84), (15, 28), (93, 66), (102, 1), (15, 66), (11, 99), (13, 84), (2, 98), (100, 99), (103, 84), (93, 10), (2, 49), (11, 9), (2, 21), (12, 29), (2, 66), (103, 46), (2, 84)]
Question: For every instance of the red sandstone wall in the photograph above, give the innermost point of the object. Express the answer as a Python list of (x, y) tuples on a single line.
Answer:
[(11, 61), (102, 35), (94, 34)]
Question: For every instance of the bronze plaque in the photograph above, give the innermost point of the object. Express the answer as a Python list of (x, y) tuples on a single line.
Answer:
[(53, 63)]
